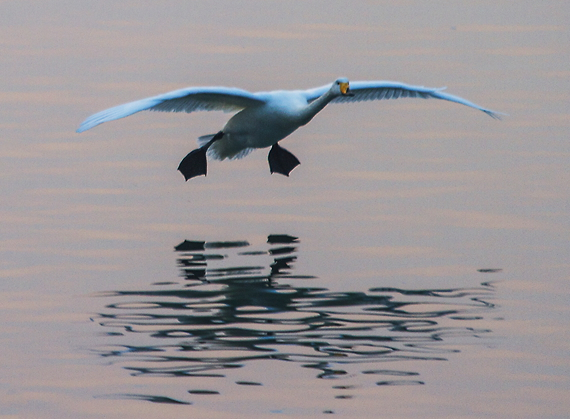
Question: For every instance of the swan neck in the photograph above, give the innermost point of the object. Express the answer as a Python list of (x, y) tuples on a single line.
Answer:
[(316, 106)]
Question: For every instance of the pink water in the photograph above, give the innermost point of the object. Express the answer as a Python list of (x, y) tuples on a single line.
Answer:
[(378, 308)]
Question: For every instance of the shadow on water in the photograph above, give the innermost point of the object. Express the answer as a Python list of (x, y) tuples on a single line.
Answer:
[(236, 305)]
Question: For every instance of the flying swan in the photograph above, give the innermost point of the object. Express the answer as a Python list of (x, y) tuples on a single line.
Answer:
[(264, 118)]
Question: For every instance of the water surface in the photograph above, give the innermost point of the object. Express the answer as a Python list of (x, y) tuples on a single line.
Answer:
[(233, 310), (414, 264)]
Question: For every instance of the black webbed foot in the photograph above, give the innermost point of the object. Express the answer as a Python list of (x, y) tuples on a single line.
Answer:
[(195, 163), (281, 161)]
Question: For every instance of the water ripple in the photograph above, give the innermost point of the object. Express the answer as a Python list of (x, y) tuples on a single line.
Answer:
[(233, 307)]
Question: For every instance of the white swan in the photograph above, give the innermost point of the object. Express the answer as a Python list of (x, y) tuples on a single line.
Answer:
[(263, 118)]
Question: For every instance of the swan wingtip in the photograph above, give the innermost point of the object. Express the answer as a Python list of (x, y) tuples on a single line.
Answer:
[(495, 115)]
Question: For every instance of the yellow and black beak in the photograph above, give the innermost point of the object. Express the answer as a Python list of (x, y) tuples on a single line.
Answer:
[(345, 89)]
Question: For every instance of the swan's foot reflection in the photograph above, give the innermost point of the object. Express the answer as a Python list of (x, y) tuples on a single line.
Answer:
[(236, 306)]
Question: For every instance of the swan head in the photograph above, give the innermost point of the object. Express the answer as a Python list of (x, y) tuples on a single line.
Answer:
[(341, 87)]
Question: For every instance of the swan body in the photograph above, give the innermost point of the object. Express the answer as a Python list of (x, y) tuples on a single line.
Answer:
[(264, 118)]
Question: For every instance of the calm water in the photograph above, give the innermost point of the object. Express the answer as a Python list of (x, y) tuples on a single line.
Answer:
[(415, 265)]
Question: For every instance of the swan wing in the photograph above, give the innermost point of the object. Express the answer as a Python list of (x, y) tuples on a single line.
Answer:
[(188, 100), (378, 90)]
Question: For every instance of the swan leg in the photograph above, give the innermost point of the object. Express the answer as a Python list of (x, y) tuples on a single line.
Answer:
[(281, 161), (195, 162)]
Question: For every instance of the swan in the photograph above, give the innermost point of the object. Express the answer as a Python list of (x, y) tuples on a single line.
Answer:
[(264, 118)]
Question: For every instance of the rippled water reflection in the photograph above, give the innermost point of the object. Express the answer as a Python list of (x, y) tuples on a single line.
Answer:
[(236, 305)]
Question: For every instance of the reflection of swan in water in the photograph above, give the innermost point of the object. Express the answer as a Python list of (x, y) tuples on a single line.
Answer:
[(195, 260), (244, 306)]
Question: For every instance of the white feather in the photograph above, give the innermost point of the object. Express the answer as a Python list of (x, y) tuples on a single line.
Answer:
[(264, 118)]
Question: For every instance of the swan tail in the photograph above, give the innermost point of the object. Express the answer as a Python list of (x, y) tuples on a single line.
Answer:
[(219, 151), (205, 139), (223, 148)]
